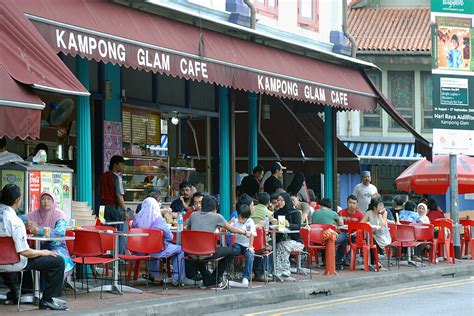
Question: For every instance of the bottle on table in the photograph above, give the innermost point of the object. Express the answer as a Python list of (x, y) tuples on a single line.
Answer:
[(266, 223), (180, 222)]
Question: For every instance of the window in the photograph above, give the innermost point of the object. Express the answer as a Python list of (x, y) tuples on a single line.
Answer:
[(308, 14), (401, 94), (427, 100), (267, 7), (373, 120)]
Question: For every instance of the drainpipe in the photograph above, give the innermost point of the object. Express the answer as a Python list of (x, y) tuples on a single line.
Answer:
[(345, 30), (253, 13)]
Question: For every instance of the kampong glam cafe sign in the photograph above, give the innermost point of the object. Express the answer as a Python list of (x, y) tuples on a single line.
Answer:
[(170, 62)]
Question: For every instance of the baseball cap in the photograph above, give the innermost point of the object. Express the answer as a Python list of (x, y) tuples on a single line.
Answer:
[(277, 166)]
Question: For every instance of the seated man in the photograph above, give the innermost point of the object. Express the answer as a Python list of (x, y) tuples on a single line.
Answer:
[(208, 220), (327, 216), (48, 263), (261, 210), (352, 212)]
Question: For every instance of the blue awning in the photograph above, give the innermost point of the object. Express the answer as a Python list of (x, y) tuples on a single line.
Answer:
[(383, 150)]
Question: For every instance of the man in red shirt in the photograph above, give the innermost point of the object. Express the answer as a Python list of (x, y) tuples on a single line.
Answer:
[(351, 213)]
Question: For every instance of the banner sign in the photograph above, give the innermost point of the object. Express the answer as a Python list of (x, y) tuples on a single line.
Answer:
[(453, 75), (142, 56)]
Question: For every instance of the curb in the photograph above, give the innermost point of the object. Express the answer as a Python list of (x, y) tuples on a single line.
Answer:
[(237, 298)]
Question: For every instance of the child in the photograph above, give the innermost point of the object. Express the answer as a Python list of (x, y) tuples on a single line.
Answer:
[(243, 244), (454, 55)]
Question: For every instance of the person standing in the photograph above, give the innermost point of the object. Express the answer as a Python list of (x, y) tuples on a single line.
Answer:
[(273, 183), (251, 183), (47, 262), (5, 155), (112, 196), (364, 191)]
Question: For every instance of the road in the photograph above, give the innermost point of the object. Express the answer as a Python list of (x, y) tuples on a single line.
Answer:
[(447, 296)]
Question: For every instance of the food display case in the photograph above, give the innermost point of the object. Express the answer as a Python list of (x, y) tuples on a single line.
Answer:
[(142, 174), (34, 179)]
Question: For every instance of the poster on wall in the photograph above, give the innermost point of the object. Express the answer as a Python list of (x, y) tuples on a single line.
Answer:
[(14, 177), (452, 75), (35, 190), (66, 194), (112, 141)]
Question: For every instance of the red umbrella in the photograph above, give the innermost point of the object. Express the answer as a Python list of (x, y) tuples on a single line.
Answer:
[(425, 177)]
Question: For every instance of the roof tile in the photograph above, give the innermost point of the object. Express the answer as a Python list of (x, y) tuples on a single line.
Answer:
[(391, 29)]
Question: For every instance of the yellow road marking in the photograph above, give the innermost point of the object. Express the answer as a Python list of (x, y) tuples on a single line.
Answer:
[(370, 298), (365, 297)]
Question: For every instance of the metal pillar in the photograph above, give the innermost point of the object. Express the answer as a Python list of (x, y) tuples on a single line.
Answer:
[(208, 155), (84, 143), (233, 177), (454, 202), (253, 130), (328, 152), (113, 105), (224, 150)]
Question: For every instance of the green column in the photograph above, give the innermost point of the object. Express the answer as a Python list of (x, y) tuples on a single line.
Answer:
[(224, 151), (113, 105), (328, 152), (253, 127), (83, 141)]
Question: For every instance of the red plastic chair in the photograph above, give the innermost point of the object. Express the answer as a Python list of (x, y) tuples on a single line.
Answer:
[(315, 241), (404, 238), (108, 241), (261, 249), (362, 230), (466, 240), (199, 247), (141, 247), (8, 255), (87, 249), (445, 233), (424, 235)]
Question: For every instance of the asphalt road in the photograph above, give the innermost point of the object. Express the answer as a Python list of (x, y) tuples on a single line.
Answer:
[(447, 296)]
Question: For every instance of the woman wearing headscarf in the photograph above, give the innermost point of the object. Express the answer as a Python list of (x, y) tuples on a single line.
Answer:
[(422, 209), (150, 217), (292, 242), (49, 215)]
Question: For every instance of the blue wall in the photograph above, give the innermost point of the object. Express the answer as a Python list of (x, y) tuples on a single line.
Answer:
[(347, 183)]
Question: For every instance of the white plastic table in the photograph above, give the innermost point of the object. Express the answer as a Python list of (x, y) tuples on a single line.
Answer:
[(38, 240)]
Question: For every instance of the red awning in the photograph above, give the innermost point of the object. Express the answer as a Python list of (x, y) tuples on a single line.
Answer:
[(110, 32), (29, 59), (20, 109)]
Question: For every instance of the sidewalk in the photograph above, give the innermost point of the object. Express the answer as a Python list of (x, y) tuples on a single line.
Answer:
[(196, 301)]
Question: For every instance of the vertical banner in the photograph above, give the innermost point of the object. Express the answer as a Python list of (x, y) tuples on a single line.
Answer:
[(112, 141), (66, 194), (35, 190), (453, 76)]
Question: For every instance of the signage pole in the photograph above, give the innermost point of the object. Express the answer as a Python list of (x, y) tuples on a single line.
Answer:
[(454, 202)]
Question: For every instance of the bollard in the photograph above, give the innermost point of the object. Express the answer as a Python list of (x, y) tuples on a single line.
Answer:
[(329, 237)]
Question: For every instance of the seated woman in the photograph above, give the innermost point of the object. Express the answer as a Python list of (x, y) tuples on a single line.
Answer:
[(422, 211), (48, 215), (293, 242), (150, 217), (377, 215)]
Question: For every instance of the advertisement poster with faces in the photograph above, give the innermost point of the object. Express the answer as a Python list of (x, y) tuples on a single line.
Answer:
[(112, 141), (452, 75)]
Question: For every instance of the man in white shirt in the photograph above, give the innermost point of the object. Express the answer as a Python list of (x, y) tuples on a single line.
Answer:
[(6, 156), (365, 191), (47, 262)]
